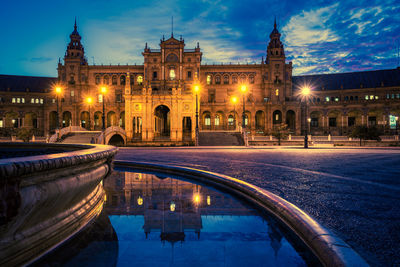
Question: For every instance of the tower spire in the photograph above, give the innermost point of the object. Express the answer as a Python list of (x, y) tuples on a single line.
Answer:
[(75, 24), (172, 26), (275, 23)]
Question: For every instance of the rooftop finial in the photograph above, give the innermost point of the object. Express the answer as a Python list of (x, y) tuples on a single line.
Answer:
[(275, 23), (75, 24), (172, 26)]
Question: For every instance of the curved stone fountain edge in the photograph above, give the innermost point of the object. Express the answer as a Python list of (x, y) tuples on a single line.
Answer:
[(329, 248)]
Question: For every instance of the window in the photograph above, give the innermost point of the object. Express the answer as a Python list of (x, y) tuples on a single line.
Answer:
[(207, 120), (277, 92), (208, 79), (122, 80), (32, 101), (356, 98), (105, 80), (371, 121), (41, 101), (114, 80), (337, 99), (234, 79), (366, 97), (53, 101), (226, 79), (189, 75), (217, 79), (1, 123), (217, 120), (251, 79), (332, 98), (230, 120), (351, 121), (246, 120), (139, 80), (154, 75), (327, 98), (332, 122), (18, 100), (13, 100), (387, 96), (97, 81), (351, 98), (118, 98), (100, 98), (72, 93), (37, 100), (172, 74), (23, 100), (314, 122), (211, 95)]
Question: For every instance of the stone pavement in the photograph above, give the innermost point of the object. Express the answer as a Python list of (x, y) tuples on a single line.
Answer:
[(353, 192)]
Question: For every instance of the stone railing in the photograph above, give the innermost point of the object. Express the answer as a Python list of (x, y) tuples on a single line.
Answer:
[(65, 131), (48, 197)]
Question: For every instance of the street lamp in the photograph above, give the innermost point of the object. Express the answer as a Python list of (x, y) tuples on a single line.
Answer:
[(196, 90), (243, 89), (234, 100), (89, 101), (103, 91), (58, 91), (305, 92)]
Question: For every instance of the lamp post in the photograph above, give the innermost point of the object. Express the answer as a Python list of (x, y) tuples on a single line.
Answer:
[(89, 101), (243, 89), (234, 100), (397, 123), (103, 117), (196, 89), (58, 92), (305, 92)]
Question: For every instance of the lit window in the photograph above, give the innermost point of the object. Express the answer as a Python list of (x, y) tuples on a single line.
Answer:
[(327, 98), (376, 97), (172, 74), (392, 96), (277, 92), (216, 122), (41, 101), (277, 117), (72, 93), (230, 120), (1, 124), (366, 97), (37, 101), (208, 79), (53, 101), (32, 101), (246, 120), (371, 97), (336, 99), (100, 98), (387, 96), (139, 79), (207, 120), (23, 100), (18, 100), (398, 95), (13, 100)]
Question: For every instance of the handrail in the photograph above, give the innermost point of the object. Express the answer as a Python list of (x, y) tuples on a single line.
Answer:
[(64, 131)]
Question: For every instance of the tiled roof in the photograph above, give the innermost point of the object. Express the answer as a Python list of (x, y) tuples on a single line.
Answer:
[(350, 80), (18, 83)]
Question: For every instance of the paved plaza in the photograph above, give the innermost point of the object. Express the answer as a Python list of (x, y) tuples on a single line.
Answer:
[(353, 192)]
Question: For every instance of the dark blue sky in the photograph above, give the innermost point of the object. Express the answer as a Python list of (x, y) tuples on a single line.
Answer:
[(319, 36)]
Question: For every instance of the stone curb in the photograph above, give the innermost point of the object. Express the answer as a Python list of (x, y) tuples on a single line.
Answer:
[(330, 249), (17, 167)]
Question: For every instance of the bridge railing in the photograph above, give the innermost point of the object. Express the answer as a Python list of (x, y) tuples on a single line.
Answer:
[(108, 131), (64, 131)]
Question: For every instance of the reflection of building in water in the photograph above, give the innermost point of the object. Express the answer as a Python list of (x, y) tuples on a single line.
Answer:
[(168, 205)]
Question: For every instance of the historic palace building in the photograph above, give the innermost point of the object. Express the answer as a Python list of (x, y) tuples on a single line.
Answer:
[(156, 101)]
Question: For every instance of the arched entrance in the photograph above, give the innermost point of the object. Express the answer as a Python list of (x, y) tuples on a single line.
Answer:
[(116, 140), (111, 119), (277, 117), (260, 120), (85, 120), (291, 120), (162, 122), (67, 119), (187, 128)]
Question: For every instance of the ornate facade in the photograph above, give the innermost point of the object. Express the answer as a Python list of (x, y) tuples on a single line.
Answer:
[(155, 101)]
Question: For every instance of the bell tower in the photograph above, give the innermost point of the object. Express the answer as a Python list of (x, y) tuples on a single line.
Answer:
[(75, 51), (275, 50)]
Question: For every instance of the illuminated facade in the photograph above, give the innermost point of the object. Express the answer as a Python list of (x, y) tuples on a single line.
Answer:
[(155, 101)]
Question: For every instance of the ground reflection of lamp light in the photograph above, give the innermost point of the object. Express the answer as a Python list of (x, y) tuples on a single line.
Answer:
[(172, 206), (140, 201), (208, 200)]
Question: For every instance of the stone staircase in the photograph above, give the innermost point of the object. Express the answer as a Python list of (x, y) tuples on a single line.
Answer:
[(220, 139), (80, 137)]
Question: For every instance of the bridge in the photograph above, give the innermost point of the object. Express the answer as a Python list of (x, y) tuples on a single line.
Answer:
[(113, 135)]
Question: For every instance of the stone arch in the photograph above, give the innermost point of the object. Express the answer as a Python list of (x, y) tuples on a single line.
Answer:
[(30, 120), (219, 120), (315, 119), (291, 120), (260, 120), (66, 119), (12, 120), (116, 140), (53, 120), (277, 117), (85, 120), (122, 120), (97, 120), (111, 119), (206, 120), (162, 121), (334, 118)]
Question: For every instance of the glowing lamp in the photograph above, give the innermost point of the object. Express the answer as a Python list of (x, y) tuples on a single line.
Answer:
[(234, 99), (243, 88), (305, 90)]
